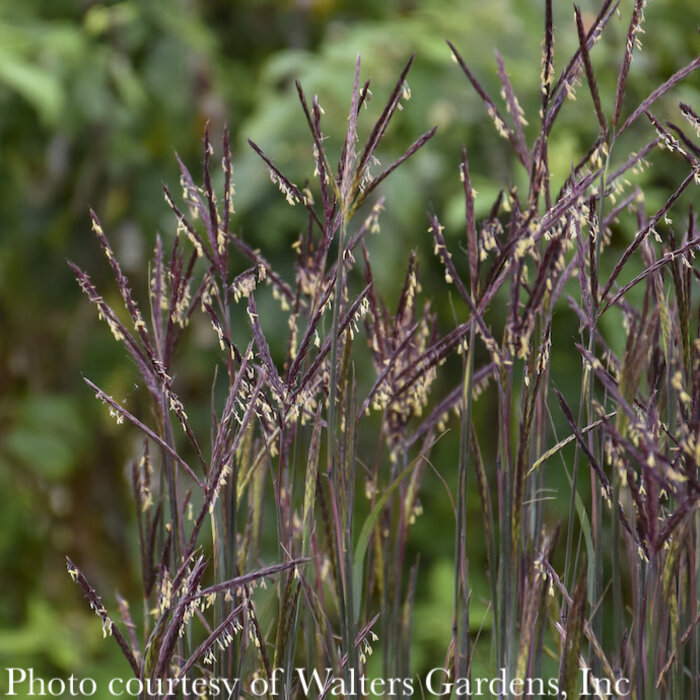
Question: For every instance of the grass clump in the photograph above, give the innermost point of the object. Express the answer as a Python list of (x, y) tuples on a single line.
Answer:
[(325, 451)]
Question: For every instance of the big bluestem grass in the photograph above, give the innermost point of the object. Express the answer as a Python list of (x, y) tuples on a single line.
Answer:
[(292, 447)]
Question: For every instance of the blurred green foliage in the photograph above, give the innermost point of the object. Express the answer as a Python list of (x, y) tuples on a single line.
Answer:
[(94, 99)]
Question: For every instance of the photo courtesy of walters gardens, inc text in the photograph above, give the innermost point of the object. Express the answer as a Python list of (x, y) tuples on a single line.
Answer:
[(350, 350), (437, 682)]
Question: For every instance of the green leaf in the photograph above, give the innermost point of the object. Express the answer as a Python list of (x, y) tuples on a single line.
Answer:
[(363, 540), (130, 88), (47, 436), (44, 453), (39, 87)]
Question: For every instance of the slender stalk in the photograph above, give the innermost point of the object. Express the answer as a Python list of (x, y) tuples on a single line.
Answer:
[(461, 585)]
